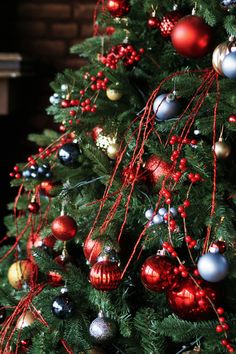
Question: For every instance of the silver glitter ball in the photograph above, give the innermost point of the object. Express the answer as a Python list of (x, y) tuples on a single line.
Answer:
[(102, 329), (148, 214), (162, 211), (157, 219)]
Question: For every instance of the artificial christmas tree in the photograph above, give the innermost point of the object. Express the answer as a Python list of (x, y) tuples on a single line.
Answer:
[(125, 216)]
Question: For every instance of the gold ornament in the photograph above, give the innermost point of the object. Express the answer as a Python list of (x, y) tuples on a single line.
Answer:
[(220, 52), (104, 141), (113, 94), (19, 272), (25, 320), (195, 350), (222, 150), (113, 150)]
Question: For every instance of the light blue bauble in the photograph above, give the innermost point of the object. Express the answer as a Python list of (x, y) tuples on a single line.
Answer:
[(157, 219), (213, 267), (166, 106), (149, 214), (229, 65)]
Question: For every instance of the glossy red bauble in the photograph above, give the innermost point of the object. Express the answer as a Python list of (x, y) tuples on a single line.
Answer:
[(169, 21), (153, 22), (192, 37), (64, 228), (46, 188), (232, 118), (118, 8), (92, 249), (186, 300), (157, 273), (105, 275), (33, 207), (55, 279), (157, 168)]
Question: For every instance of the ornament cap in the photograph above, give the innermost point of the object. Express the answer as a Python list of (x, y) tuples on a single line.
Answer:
[(64, 290), (101, 314), (171, 97)]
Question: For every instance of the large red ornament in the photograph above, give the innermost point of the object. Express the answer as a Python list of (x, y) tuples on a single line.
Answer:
[(169, 21), (64, 228), (157, 168), (92, 249), (118, 8), (190, 303), (157, 273), (192, 37), (105, 275)]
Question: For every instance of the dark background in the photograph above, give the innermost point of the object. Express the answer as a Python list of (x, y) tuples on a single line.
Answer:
[(42, 31)]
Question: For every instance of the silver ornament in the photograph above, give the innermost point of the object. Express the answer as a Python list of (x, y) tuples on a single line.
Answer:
[(213, 267), (173, 212), (157, 219), (102, 329), (229, 65), (148, 214), (162, 211), (166, 106)]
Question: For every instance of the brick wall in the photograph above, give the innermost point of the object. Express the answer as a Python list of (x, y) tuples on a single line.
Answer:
[(43, 31)]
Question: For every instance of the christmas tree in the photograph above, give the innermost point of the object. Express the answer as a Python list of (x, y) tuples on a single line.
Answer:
[(121, 237)]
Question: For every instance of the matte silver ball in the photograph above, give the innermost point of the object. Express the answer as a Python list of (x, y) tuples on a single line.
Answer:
[(102, 329), (148, 214), (229, 65), (213, 267), (162, 211), (157, 219), (166, 106)]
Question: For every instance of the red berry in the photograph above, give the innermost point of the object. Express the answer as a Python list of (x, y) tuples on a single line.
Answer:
[(100, 74), (184, 274), (168, 201), (12, 174), (72, 112), (225, 326), (183, 161), (224, 342), (220, 310), (16, 168), (188, 239), (187, 203), (183, 215), (82, 92), (219, 329), (17, 176), (222, 319), (180, 209), (193, 142)]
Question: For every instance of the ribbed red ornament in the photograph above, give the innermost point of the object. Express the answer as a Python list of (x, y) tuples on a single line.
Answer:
[(92, 249), (186, 300), (169, 21), (64, 228), (105, 275), (156, 168), (118, 8), (157, 273)]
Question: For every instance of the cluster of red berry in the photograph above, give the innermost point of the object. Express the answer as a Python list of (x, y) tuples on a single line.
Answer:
[(125, 53)]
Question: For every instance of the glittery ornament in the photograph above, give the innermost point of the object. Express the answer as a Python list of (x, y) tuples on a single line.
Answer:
[(64, 228), (156, 169), (157, 273), (102, 329), (192, 37), (105, 275), (118, 8), (186, 300), (169, 21)]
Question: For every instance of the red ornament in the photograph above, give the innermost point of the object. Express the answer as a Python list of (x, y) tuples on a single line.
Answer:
[(169, 21), (130, 175), (157, 273), (192, 37), (189, 302), (64, 228), (95, 133), (92, 249), (24, 345), (33, 207), (153, 22), (55, 279), (118, 8), (157, 168), (221, 245), (49, 241), (46, 188), (105, 275), (232, 119)]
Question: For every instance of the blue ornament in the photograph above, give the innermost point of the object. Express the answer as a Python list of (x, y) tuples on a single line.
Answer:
[(26, 173), (228, 2), (166, 106), (213, 267), (148, 214), (229, 65), (68, 155), (173, 212)]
